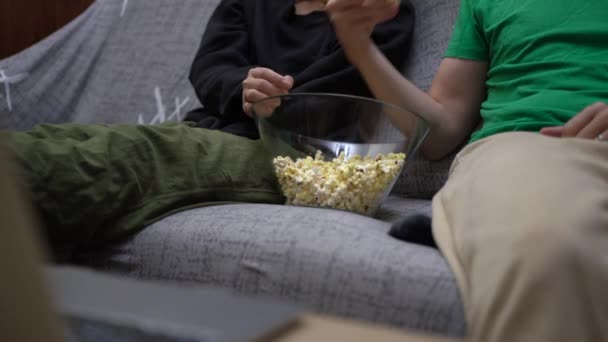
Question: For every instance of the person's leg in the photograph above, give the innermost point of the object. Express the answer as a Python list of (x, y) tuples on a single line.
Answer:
[(95, 183), (523, 222)]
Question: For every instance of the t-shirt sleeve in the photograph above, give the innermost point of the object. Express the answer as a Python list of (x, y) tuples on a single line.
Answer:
[(468, 40)]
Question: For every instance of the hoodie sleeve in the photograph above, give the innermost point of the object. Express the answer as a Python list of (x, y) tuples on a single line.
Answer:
[(219, 68)]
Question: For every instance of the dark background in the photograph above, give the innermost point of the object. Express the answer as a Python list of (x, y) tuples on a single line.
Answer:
[(25, 22)]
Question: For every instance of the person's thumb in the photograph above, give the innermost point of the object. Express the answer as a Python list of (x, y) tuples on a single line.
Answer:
[(288, 82)]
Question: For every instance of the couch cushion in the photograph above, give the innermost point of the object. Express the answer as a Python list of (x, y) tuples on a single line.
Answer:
[(396, 207), (434, 23), (118, 62), (326, 260)]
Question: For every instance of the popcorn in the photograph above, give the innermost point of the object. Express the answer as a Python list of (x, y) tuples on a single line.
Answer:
[(355, 184)]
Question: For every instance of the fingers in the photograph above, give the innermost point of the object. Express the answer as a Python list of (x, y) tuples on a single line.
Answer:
[(276, 79), (262, 107), (354, 21), (263, 86), (380, 4), (354, 16), (350, 19), (254, 95), (590, 123), (377, 15), (251, 96), (248, 108), (555, 131), (341, 5), (265, 107), (387, 14), (289, 81), (596, 126), (582, 119), (262, 83)]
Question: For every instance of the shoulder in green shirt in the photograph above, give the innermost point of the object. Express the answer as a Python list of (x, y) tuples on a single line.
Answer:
[(548, 60)]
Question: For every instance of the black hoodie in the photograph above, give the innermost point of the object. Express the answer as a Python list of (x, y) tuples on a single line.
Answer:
[(242, 34)]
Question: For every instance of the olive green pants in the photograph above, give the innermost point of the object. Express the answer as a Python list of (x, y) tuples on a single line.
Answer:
[(96, 183)]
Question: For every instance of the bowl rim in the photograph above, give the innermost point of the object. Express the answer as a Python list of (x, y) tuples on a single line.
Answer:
[(356, 97)]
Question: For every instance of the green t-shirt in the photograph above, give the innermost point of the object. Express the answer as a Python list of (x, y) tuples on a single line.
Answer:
[(548, 59)]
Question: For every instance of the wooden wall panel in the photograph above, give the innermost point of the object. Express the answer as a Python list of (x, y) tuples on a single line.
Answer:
[(25, 22)]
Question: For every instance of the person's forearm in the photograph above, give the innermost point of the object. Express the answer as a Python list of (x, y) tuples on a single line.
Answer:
[(388, 85)]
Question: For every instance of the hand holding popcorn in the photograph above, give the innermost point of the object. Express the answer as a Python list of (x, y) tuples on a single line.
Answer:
[(354, 22)]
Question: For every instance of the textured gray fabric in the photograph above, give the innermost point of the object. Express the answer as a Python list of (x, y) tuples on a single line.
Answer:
[(119, 62), (327, 260), (434, 24), (396, 207)]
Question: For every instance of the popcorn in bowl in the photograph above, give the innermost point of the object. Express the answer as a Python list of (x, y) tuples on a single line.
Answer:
[(356, 184)]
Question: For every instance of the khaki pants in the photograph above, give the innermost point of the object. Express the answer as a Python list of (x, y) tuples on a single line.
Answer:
[(523, 222)]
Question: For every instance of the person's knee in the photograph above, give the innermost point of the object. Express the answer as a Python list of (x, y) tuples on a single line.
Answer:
[(544, 252)]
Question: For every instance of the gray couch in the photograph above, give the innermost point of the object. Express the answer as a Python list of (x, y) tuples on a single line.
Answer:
[(127, 62)]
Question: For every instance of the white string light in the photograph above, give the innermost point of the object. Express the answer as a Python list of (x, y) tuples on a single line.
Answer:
[(7, 81), (124, 7), (161, 111)]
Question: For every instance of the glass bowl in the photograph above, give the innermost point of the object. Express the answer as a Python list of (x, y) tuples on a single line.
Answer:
[(337, 151)]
